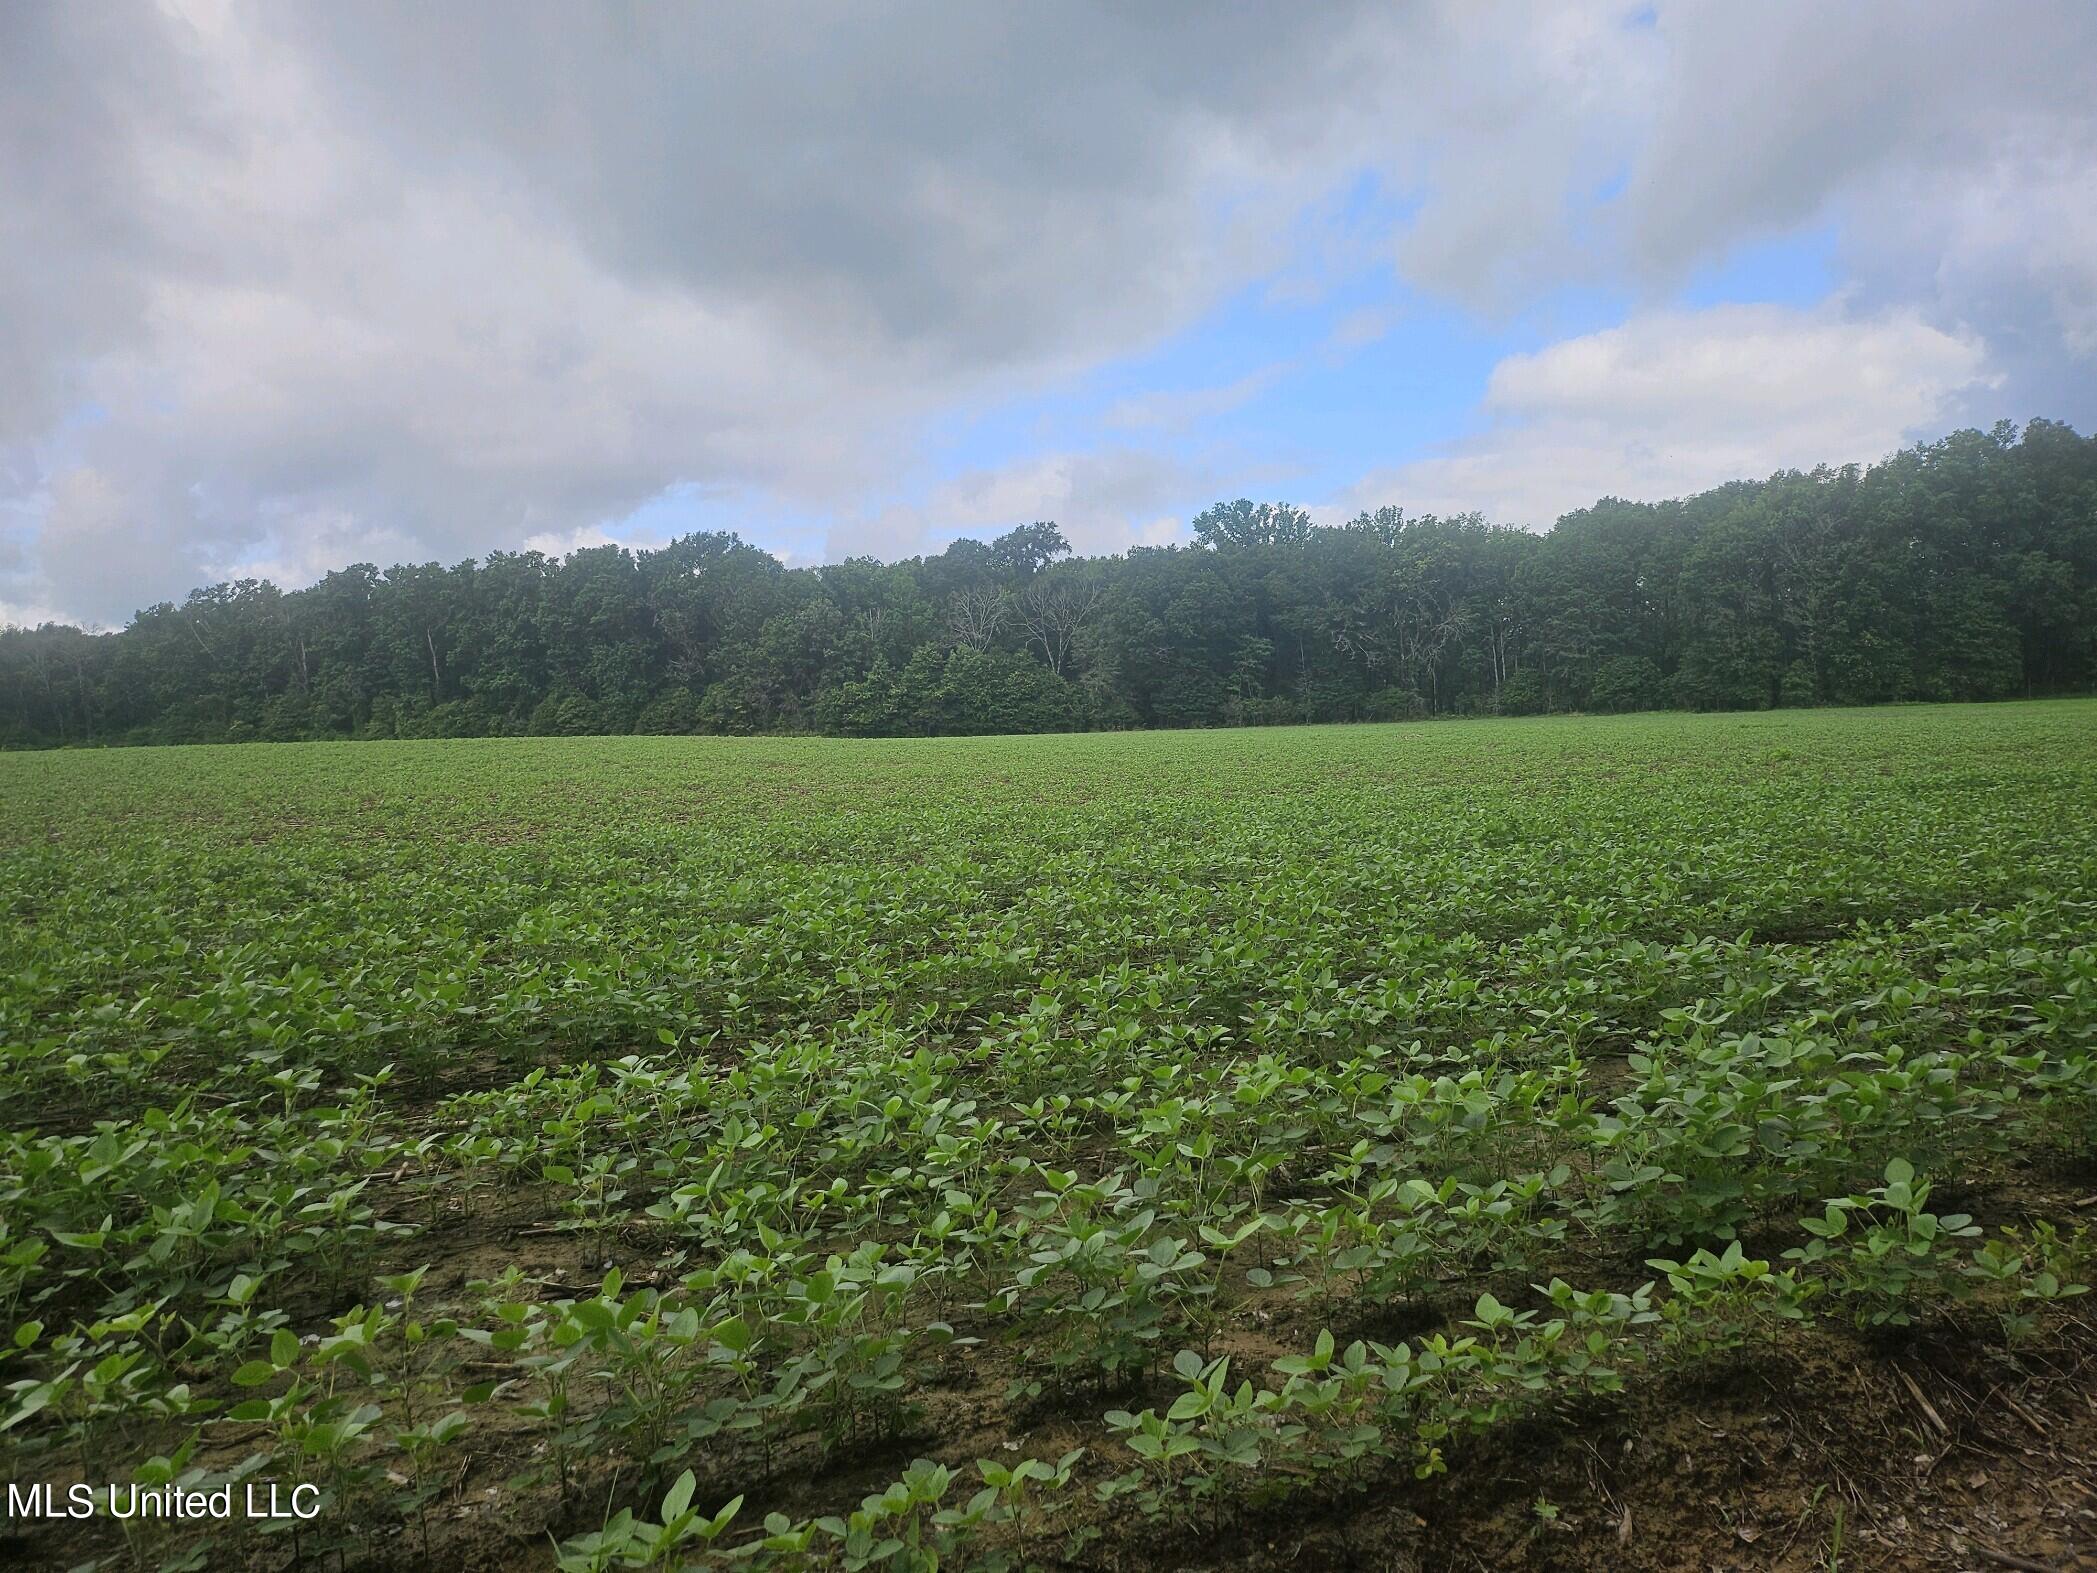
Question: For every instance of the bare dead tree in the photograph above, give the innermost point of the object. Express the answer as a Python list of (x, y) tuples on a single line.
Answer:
[(974, 616), (1356, 635), (1401, 628), (877, 623), (1427, 636), (1503, 630), (1056, 611)]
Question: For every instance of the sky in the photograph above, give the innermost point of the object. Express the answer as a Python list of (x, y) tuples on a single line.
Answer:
[(293, 285)]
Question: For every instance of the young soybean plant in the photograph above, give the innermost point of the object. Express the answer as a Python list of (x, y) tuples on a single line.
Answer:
[(2038, 1265), (903, 1528), (1720, 1303), (1008, 1487), (629, 1542), (1899, 1257), (1210, 1424)]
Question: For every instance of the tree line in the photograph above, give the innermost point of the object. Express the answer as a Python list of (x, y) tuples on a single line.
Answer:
[(1960, 569)]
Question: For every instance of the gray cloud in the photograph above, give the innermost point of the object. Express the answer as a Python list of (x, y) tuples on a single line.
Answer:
[(478, 273), (931, 177), (77, 220), (1771, 117), (291, 284)]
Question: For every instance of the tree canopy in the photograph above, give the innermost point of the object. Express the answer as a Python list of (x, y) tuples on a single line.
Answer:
[(1960, 569)]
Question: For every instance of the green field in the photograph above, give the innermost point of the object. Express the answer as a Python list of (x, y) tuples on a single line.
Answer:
[(497, 1133)]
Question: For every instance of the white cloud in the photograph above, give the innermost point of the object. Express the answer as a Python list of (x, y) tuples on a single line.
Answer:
[(15, 614), (1363, 326), (1673, 402), (1104, 502), (298, 551), (1175, 409), (559, 543)]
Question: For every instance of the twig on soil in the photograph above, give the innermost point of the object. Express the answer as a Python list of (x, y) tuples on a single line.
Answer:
[(1928, 1408), (2008, 1559), (2023, 1414)]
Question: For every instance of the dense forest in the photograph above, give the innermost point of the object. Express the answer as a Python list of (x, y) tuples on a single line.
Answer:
[(1962, 569)]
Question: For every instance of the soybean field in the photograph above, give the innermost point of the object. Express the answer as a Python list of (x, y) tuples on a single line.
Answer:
[(1645, 1142)]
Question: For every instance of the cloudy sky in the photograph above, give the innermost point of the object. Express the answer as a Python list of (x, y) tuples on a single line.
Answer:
[(286, 286)]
